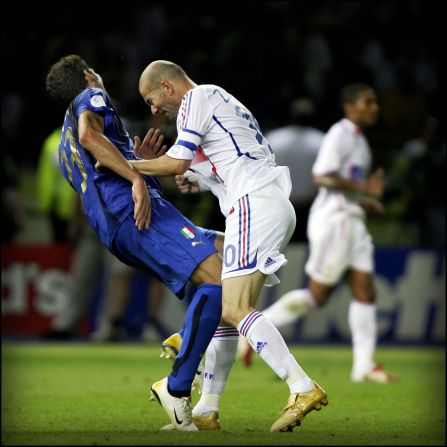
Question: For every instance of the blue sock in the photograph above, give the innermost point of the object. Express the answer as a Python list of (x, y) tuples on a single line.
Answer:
[(190, 291), (201, 321)]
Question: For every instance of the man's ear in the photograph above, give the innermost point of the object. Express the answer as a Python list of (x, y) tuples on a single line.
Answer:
[(168, 87)]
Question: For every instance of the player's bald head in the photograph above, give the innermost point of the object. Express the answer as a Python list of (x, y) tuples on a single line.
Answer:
[(160, 70)]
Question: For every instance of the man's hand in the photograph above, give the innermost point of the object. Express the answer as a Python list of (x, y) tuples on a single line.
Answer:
[(142, 210), (375, 183), (186, 185), (152, 145), (93, 79)]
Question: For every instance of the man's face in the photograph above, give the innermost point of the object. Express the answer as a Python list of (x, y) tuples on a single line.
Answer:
[(160, 100), (365, 110)]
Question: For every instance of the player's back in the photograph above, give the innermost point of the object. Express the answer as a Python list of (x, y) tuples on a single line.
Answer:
[(106, 197)]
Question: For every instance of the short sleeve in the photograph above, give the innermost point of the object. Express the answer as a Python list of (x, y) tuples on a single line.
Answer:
[(331, 153), (95, 100), (193, 120)]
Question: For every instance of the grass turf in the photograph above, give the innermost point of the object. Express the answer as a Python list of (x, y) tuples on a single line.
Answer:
[(83, 394)]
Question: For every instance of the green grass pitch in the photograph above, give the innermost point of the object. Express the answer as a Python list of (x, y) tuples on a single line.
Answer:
[(83, 394)]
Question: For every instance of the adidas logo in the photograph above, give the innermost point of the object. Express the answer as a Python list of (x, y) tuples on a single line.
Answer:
[(269, 262), (260, 345)]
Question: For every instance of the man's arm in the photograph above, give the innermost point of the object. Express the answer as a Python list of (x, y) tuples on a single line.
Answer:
[(92, 138), (164, 165), (372, 186)]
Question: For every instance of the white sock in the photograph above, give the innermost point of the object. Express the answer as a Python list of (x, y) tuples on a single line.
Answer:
[(266, 340), (290, 307), (362, 321), (219, 359)]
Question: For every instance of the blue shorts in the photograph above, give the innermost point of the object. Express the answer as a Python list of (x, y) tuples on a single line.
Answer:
[(171, 249)]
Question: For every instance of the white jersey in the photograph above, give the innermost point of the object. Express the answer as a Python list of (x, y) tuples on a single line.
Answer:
[(222, 138), (345, 152)]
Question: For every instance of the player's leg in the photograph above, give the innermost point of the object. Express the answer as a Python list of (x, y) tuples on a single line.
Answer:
[(329, 248), (220, 350), (201, 320), (363, 324), (176, 251), (288, 309), (256, 234), (297, 303), (238, 298), (213, 371), (362, 310)]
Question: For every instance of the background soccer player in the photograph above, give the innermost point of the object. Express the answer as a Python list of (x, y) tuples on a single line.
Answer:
[(134, 222)]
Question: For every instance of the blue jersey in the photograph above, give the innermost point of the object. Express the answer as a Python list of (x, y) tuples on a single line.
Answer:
[(106, 197)]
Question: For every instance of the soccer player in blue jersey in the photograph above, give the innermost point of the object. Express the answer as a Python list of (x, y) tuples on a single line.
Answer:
[(130, 216)]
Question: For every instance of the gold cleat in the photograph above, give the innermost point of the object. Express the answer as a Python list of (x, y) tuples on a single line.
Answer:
[(203, 423), (171, 346), (298, 405), (210, 422)]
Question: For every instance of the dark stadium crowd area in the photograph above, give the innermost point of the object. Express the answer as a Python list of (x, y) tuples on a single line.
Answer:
[(267, 55)]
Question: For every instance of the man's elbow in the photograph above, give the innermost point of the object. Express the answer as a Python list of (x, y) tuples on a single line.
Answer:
[(317, 180), (85, 137), (324, 180)]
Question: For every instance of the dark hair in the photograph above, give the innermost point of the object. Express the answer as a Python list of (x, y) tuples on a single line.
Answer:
[(350, 93), (66, 80)]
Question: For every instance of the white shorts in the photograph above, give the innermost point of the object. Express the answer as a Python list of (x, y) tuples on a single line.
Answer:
[(337, 244), (257, 230)]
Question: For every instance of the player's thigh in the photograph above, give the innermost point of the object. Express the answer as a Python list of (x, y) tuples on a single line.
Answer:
[(320, 291), (330, 246), (360, 274), (208, 271), (362, 254)]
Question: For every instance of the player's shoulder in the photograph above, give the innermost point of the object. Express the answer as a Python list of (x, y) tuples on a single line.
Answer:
[(345, 126), (210, 90), (94, 99), (97, 97), (341, 129)]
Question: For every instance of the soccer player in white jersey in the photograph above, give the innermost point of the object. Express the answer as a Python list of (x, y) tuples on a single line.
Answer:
[(221, 148), (338, 238)]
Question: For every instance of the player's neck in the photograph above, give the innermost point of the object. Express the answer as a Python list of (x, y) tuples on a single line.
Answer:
[(360, 126), (188, 85)]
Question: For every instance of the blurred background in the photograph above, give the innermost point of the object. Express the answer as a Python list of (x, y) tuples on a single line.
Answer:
[(286, 62)]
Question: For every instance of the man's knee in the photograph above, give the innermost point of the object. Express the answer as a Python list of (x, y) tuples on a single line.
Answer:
[(230, 314), (320, 292), (366, 294), (362, 287)]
